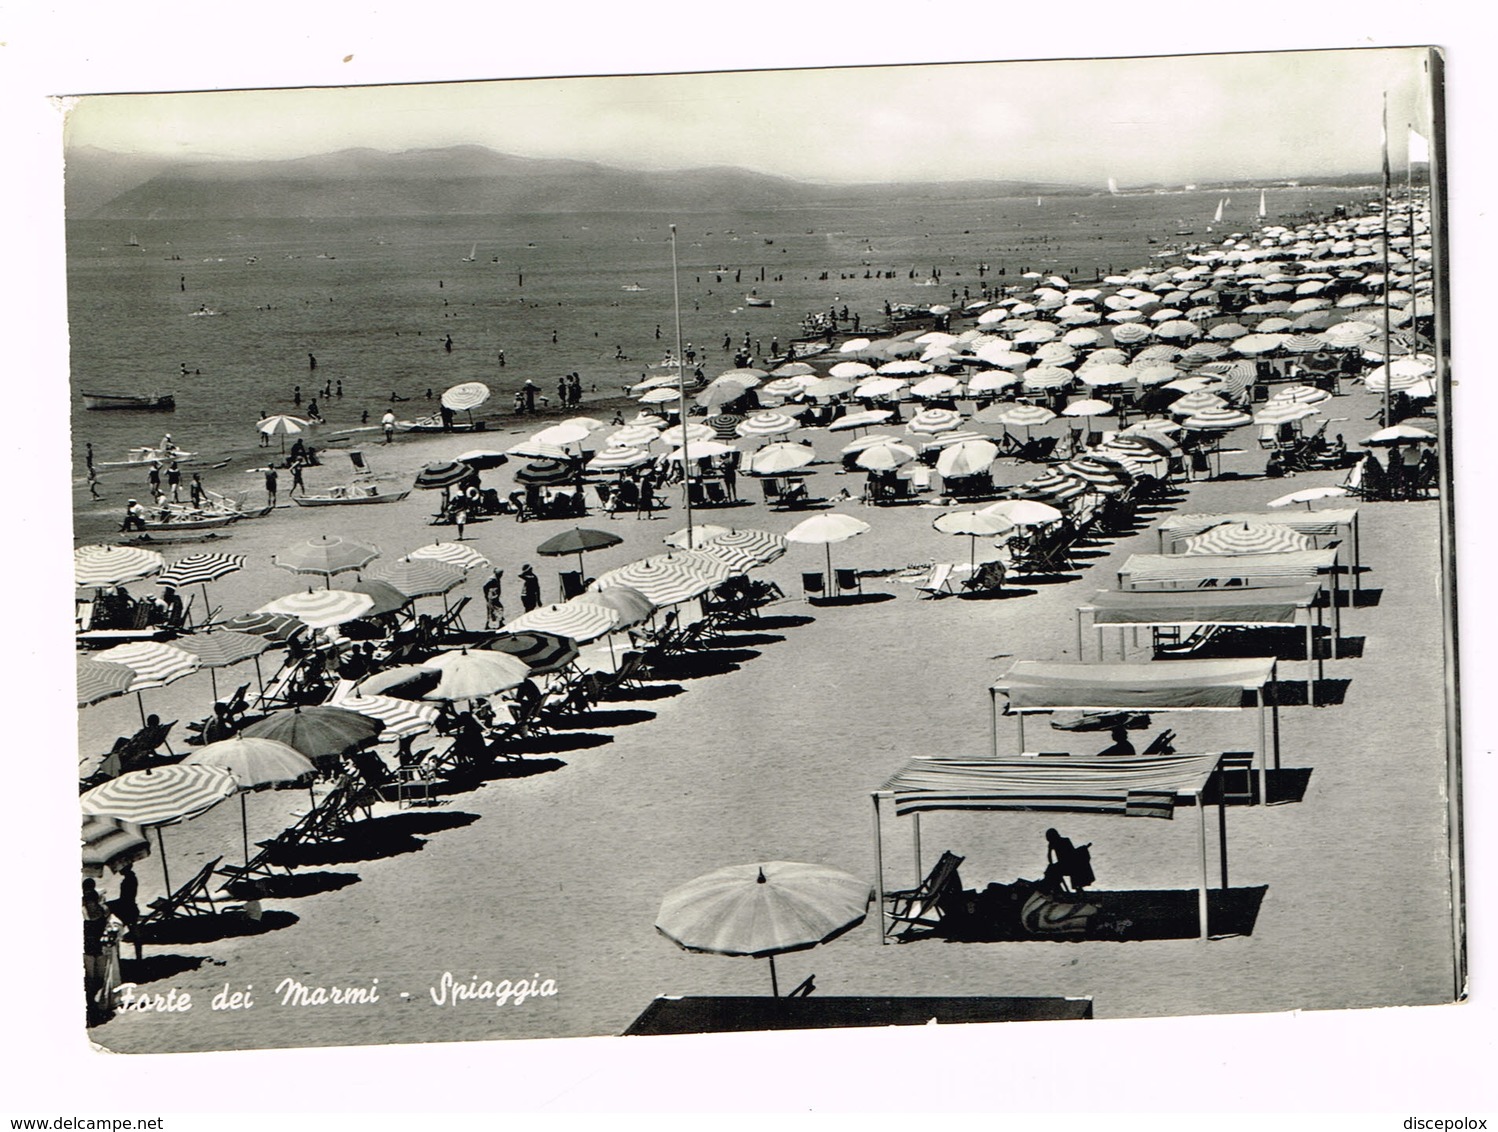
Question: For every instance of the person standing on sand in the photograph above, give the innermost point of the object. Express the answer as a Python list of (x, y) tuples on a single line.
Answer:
[(174, 481), (93, 483), (530, 588), (296, 479), (387, 422), (196, 491), (153, 478), (88, 456), (271, 479), (494, 607)]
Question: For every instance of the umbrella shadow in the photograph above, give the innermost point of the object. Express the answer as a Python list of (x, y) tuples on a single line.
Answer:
[(644, 692), (783, 621), (215, 926), (593, 717), (994, 916), (1050, 578), (372, 839), (695, 666), (291, 886), (521, 768), (154, 968), (551, 744), (743, 640), (853, 599)]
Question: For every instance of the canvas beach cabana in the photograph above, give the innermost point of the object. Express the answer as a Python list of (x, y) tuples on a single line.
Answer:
[(1276, 607), (1149, 787), (1036, 686), (1332, 523)]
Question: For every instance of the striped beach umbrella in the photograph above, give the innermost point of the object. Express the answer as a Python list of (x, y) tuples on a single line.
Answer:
[(1055, 354), (792, 369), (1052, 487), (1248, 538), (1390, 379), (1045, 377), (1025, 416), (1177, 330), (544, 473), (1350, 333), (643, 419), (783, 387), (154, 663), (575, 619), (1283, 412), (400, 717), (1131, 332), (325, 556), (109, 843), (221, 648), (114, 565), (1217, 420), (1199, 402), (763, 546), (472, 675), (482, 459), (254, 761), (768, 424), (543, 652), (416, 577), (930, 422), (533, 449), (465, 558), (1100, 475), (634, 436), (688, 433), (160, 796), (618, 458), (277, 628), (692, 538), (203, 566), (442, 474), (627, 605), (725, 426), (279, 424), (659, 396), (667, 579), (1305, 394), (468, 395), (320, 609), (101, 680)]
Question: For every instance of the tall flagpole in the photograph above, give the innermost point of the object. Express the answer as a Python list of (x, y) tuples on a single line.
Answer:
[(1388, 335), (681, 394)]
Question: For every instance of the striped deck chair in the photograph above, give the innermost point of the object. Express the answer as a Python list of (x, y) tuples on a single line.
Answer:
[(920, 907)]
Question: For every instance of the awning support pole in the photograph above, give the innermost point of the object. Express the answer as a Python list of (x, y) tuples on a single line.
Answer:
[(1263, 751), (879, 871), (1021, 717), (1311, 663), (915, 829), (1201, 892), (1222, 831), (993, 720), (1357, 557)]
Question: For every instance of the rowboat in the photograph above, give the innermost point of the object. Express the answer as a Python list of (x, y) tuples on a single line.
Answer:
[(144, 402), (140, 457), (434, 424), (345, 495), (758, 301)]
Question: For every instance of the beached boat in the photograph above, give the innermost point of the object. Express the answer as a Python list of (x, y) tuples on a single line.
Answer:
[(434, 423), (344, 495), (142, 402), (145, 454), (758, 301)]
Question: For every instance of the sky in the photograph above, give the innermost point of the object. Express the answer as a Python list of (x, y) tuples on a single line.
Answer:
[(1168, 120)]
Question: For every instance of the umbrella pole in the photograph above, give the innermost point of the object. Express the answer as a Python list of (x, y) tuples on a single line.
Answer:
[(207, 606), (828, 548), (141, 703), (259, 678), (244, 829), (213, 682), (774, 982), (681, 390), (165, 876)]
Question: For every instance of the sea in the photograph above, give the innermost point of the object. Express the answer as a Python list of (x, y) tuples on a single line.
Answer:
[(228, 315)]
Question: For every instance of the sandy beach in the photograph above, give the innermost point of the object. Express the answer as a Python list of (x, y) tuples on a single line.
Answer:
[(557, 873)]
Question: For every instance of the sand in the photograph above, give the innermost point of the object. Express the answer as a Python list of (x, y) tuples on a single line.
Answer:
[(558, 875)]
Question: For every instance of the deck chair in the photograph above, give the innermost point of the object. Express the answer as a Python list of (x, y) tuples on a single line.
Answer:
[(716, 493), (772, 490), (920, 907), (572, 583), (847, 579), (192, 899), (988, 578), (1162, 744), (1235, 776), (813, 584), (939, 582)]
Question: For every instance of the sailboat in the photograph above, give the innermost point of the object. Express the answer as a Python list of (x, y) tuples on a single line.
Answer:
[(1217, 216), (1112, 186), (1263, 212), (471, 256), (133, 242)]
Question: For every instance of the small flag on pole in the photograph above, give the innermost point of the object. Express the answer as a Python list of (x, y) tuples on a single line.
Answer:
[(1419, 149)]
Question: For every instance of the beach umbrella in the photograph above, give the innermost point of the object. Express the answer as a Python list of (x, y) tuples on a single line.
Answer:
[(1100, 475), (277, 628), (1248, 538), (400, 717), (200, 567), (406, 681), (792, 369), (827, 528), (534, 449), (1197, 402), (222, 647), (320, 609), (386, 598), (867, 440), (154, 663), (851, 371), (561, 434), (657, 382), (114, 565), (745, 549), (933, 421), (700, 450), (952, 440), (578, 541), (880, 387), (829, 387), (282, 425), (442, 475), (1306, 394), (1389, 379), (416, 577), (778, 459), (255, 763), (784, 387), (1283, 412), (866, 419), (643, 419), (542, 652), (326, 555), (938, 385), (109, 843), (973, 524), (1216, 420), (1308, 495), (482, 459), (545, 473), (1054, 486), (689, 433), (763, 910), (453, 553), (160, 796), (692, 538), (666, 579), (885, 457), (319, 732), (574, 619), (1151, 427), (725, 426), (1102, 374), (618, 459), (634, 436), (659, 396), (102, 679), (768, 424), (1088, 407), (1046, 377), (747, 374), (628, 605), (1023, 512), (472, 675), (969, 458), (854, 345), (1384, 437), (467, 396), (993, 381), (1024, 416), (1130, 333)]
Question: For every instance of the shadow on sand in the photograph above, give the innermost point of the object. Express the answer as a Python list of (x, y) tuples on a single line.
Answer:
[(154, 968), (294, 885), (852, 599), (1122, 916), (215, 926), (596, 717), (997, 595)]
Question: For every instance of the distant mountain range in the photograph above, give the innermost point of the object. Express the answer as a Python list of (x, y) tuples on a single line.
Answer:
[(460, 180)]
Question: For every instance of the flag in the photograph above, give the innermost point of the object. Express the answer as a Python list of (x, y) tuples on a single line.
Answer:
[(1419, 149)]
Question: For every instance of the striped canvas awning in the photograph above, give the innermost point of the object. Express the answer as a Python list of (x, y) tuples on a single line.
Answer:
[(1182, 570), (1035, 685), (1137, 787), (1279, 605)]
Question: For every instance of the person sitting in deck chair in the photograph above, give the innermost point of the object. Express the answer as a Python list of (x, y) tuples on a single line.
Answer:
[(1066, 862), (1120, 745)]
